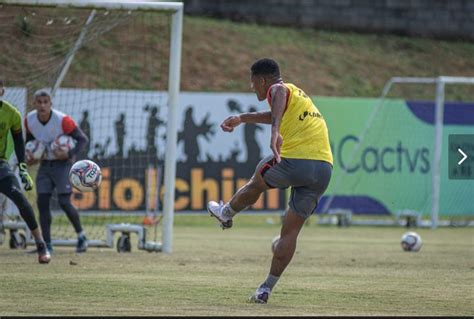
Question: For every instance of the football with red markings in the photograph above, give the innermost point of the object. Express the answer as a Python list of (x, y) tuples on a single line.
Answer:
[(63, 142), (34, 150)]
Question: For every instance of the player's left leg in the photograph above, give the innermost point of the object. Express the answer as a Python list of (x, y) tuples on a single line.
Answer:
[(10, 187), (64, 190), (73, 216), (44, 190), (286, 245), (282, 255), (315, 175)]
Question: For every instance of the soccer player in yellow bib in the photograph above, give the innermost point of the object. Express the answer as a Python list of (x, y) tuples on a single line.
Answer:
[(301, 159), (10, 122)]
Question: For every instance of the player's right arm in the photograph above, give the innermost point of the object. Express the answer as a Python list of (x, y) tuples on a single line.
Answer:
[(250, 117), (278, 94), (70, 128)]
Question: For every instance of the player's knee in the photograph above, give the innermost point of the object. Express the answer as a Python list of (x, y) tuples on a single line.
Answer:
[(303, 207), (254, 187), (45, 217), (19, 199), (43, 201), (257, 183), (64, 199)]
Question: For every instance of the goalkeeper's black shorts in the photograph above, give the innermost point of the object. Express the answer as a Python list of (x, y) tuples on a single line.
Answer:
[(5, 169)]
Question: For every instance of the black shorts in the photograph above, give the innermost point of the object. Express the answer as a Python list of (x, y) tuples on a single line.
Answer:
[(308, 180), (53, 174), (5, 169)]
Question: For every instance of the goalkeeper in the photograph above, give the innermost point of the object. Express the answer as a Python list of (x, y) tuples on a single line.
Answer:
[(10, 120), (45, 124)]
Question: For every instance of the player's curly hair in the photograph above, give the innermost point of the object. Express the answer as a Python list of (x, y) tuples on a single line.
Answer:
[(266, 67)]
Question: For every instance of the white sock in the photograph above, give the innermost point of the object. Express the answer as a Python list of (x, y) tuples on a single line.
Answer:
[(228, 211), (270, 282)]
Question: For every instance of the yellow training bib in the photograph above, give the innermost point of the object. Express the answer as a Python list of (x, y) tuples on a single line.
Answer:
[(303, 128)]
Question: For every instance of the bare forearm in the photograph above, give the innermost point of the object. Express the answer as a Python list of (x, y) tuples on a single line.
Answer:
[(256, 117)]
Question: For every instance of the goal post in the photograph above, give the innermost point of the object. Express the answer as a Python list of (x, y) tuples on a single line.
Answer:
[(172, 129), (437, 137), (175, 10)]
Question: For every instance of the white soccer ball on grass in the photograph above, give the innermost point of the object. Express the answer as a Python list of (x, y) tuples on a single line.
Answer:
[(411, 241)]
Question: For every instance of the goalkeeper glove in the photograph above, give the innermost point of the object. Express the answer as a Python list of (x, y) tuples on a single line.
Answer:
[(26, 179)]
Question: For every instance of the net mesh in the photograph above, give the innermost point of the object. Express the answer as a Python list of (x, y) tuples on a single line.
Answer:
[(387, 164), (115, 90)]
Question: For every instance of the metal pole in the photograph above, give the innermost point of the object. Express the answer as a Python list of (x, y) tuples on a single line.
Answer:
[(157, 199), (71, 53), (437, 152), (101, 4), (171, 133)]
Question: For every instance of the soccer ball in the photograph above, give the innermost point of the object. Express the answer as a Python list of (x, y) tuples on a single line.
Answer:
[(34, 150), (411, 241), (64, 143), (85, 176), (275, 242)]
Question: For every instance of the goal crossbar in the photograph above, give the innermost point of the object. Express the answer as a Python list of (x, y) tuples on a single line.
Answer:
[(102, 4)]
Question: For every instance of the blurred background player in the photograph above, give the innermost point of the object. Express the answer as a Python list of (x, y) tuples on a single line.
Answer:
[(45, 124), (301, 159), (10, 120)]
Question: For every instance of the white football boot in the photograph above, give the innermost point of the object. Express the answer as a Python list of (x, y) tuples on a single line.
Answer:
[(261, 295), (216, 210)]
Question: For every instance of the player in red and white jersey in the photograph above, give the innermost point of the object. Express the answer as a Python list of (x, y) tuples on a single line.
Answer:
[(45, 124), (57, 123)]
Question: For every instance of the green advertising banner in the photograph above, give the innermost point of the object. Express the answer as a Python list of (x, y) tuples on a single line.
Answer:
[(383, 160), (383, 154)]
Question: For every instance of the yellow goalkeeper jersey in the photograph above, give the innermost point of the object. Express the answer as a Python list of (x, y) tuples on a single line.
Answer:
[(10, 121), (303, 128)]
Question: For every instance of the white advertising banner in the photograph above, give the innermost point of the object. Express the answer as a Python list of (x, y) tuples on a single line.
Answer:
[(127, 133)]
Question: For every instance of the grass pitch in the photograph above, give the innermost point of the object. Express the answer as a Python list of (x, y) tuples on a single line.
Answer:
[(349, 271)]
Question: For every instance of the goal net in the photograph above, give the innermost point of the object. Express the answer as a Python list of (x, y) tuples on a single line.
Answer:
[(401, 160), (114, 68)]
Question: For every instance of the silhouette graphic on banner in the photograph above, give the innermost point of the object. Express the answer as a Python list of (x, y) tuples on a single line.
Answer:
[(85, 126), (153, 123), (190, 133), (120, 133), (200, 177)]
